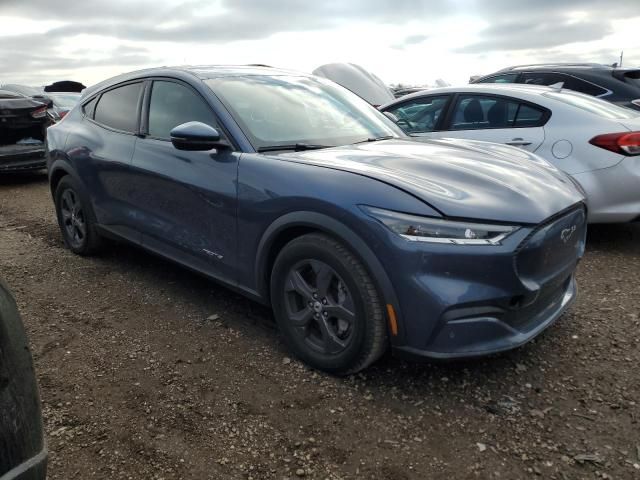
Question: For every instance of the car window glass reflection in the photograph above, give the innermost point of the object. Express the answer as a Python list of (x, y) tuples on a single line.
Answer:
[(173, 104)]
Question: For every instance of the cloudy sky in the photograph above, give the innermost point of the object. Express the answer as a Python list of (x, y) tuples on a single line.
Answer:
[(409, 41)]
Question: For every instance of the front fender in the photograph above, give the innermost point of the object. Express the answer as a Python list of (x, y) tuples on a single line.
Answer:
[(330, 226)]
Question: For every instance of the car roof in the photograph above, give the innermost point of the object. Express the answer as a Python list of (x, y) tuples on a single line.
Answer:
[(202, 72), (547, 66), (517, 89)]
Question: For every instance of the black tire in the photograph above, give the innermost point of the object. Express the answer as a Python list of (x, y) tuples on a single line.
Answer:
[(76, 218), (326, 305)]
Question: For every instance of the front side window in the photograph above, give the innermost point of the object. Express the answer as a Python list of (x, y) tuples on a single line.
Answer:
[(118, 108), (173, 104), (287, 110), (421, 114), (506, 78)]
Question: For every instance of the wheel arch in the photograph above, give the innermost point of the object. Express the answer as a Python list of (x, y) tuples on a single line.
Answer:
[(296, 224), (59, 169)]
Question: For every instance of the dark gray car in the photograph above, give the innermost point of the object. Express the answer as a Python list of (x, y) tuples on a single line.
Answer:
[(299, 194), (617, 85)]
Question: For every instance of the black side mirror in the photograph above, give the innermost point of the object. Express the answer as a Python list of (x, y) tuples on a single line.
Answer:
[(197, 136)]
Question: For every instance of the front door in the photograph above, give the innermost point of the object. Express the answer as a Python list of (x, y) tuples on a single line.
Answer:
[(186, 201)]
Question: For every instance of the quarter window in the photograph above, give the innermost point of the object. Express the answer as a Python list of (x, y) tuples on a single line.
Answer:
[(420, 115), (173, 104), (118, 108), (89, 107)]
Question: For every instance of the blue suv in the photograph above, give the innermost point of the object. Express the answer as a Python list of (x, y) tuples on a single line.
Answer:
[(295, 192)]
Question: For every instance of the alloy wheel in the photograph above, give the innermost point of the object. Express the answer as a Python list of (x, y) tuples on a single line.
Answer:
[(320, 307), (73, 219)]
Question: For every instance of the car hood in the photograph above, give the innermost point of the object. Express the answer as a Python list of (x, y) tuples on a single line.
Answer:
[(459, 178)]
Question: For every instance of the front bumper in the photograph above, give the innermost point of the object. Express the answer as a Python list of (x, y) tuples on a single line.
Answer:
[(489, 333), (34, 468), (460, 301)]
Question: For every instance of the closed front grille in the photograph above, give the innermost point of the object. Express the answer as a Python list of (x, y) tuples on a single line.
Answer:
[(552, 250)]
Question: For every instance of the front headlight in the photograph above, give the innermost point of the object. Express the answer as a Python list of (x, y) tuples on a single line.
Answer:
[(437, 230)]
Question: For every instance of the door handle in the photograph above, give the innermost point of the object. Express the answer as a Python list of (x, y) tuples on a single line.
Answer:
[(518, 142)]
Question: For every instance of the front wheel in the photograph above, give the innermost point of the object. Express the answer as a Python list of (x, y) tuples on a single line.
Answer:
[(327, 306)]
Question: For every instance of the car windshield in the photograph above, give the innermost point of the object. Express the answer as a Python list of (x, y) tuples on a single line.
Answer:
[(593, 105), (290, 110), (65, 101)]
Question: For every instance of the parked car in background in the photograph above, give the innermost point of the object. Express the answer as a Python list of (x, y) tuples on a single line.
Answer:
[(35, 93), (301, 195), (617, 85), (402, 91), (62, 104), (358, 80), (594, 141), (23, 453), (23, 123)]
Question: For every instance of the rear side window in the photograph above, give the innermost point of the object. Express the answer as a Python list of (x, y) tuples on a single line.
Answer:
[(118, 108), (570, 82), (506, 78), (173, 104), (633, 77), (419, 115), (476, 112)]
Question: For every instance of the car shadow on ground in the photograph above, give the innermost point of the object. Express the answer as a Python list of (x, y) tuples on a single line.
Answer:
[(23, 178)]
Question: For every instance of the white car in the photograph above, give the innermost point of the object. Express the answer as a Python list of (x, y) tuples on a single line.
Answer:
[(594, 141)]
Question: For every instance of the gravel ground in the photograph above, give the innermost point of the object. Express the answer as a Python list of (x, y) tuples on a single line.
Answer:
[(148, 371)]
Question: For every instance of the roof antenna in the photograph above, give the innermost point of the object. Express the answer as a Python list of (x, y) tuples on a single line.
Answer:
[(557, 86), (621, 55)]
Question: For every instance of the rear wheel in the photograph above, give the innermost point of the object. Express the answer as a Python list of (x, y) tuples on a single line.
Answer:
[(327, 306), (75, 218)]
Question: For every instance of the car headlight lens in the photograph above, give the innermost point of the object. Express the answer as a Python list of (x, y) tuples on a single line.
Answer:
[(436, 230)]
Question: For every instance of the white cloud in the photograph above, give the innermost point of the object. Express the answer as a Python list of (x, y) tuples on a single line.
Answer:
[(409, 41)]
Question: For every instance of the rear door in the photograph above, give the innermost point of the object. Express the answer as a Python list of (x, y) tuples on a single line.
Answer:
[(495, 118), (185, 202), (108, 137)]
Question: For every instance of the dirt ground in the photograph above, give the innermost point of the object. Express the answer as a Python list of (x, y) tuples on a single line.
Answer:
[(148, 371)]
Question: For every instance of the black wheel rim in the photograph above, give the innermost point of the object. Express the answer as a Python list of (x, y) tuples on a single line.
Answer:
[(320, 307), (73, 219)]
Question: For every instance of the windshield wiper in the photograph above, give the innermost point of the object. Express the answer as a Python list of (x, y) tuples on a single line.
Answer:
[(377, 139), (296, 147)]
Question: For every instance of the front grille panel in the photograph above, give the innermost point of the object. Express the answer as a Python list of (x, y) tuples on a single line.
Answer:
[(552, 249)]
